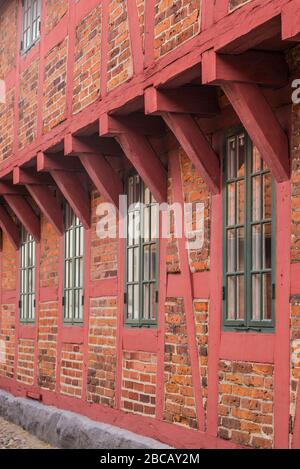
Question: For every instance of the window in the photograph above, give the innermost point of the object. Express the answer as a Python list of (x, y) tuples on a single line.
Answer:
[(27, 281), (31, 23), (141, 294), (249, 239), (73, 298)]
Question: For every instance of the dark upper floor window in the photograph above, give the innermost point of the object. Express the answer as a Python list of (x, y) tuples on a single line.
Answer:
[(31, 23), (249, 237), (141, 291), (27, 277), (73, 296)]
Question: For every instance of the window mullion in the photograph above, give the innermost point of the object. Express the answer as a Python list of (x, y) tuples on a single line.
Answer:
[(248, 233)]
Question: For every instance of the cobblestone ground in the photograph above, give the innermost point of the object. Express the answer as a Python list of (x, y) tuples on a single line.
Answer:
[(14, 437)]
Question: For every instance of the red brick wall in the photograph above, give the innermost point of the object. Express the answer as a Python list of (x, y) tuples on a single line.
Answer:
[(246, 401), (102, 351), (139, 383), (28, 105), (55, 86), (7, 125), (55, 11), (104, 252), (71, 371), (120, 58), (8, 37), (9, 265), (195, 191), (87, 61), (179, 393), (47, 344), (172, 255), (7, 335), (201, 322), (25, 367), (49, 255), (175, 22)]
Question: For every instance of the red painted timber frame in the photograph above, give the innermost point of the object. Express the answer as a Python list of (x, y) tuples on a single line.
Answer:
[(231, 33)]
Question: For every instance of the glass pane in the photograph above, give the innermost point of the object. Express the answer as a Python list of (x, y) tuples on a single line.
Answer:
[(231, 297), (137, 190), (153, 304), (231, 251), (267, 246), (240, 297), (146, 262), (241, 202), (130, 265), (256, 198), (146, 231), (146, 314), (154, 230), (136, 265), (130, 228), (256, 161), (256, 247), (267, 193), (256, 295), (136, 305), (130, 302), (241, 156), (153, 261), (231, 159), (231, 204), (240, 250), (147, 196), (267, 296)]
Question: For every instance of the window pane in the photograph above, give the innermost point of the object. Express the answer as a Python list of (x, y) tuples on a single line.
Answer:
[(147, 250), (130, 302), (240, 250), (136, 265), (256, 161), (256, 247), (231, 297), (153, 304), (231, 204), (256, 297), (256, 198), (130, 265), (154, 259), (146, 314), (231, 159), (267, 246), (267, 192), (231, 251), (241, 156), (136, 303), (241, 202), (267, 296), (240, 297)]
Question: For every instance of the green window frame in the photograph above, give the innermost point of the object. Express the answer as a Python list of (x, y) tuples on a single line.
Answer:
[(249, 229), (73, 291), (27, 277), (142, 255), (31, 24)]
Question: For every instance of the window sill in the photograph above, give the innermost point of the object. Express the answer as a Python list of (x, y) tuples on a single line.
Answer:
[(72, 334)]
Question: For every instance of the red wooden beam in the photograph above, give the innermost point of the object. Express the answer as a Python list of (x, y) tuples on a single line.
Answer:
[(42, 195), (290, 19), (77, 145), (97, 167), (110, 126), (197, 147), (139, 152), (262, 125), (25, 213), (256, 67), (201, 100), (9, 227), (69, 182)]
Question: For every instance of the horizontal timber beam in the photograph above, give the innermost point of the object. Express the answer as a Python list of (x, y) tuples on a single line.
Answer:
[(140, 153), (25, 213), (9, 227), (262, 125), (42, 195), (290, 18), (57, 162), (255, 67), (77, 145), (70, 185), (201, 100), (138, 122), (103, 176)]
